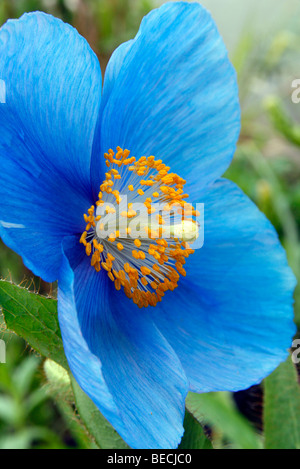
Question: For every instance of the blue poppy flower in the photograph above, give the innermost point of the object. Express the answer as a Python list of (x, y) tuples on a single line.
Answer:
[(222, 322)]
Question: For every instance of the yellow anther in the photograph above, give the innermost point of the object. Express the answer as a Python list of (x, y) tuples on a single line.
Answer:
[(109, 209), (120, 246), (144, 281), (115, 273), (157, 256), (142, 255), (146, 183), (110, 256), (131, 213), (83, 238), (145, 270), (127, 267), (131, 188), (162, 242), (137, 242), (122, 275), (151, 210), (88, 249), (105, 266), (95, 258), (110, 275), (135, 254)]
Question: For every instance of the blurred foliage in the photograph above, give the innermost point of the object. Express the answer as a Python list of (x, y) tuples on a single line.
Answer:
[(27, 417), (105, 24), (36, 399)]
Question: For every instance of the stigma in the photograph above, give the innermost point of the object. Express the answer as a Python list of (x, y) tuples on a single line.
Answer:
[(141, 229)]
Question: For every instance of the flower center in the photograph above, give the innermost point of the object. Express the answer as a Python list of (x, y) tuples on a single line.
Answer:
[(140, 230)]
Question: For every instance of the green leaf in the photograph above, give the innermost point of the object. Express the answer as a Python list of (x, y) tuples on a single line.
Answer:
[(10, 411), (218, 411), (105, 435), (34, 318), (282, 408), (194, 436), (24, 438), (23, 375)]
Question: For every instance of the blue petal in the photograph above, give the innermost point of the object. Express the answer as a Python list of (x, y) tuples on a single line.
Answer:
[(113, 69), (172, 92), (52, 97), (118, 356), (231, 319)]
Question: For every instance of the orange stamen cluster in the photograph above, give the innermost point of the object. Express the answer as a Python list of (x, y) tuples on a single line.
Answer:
[(147, 267)]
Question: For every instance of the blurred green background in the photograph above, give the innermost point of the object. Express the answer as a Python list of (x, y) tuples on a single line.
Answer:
[(264, 44)]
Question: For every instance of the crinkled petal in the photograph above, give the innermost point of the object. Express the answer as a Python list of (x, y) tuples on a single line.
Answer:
[(119, 357), (172, 93), (231, 319), (47, 116)]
